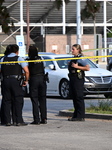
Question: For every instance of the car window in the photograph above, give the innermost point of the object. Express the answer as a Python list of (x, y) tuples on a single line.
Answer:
[(63, 64), (47, 63), (109, 59)]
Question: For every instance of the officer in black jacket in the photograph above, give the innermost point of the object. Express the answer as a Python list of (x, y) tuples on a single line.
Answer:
[(12, 73), (37, 86), (3, 122), (76, 75)]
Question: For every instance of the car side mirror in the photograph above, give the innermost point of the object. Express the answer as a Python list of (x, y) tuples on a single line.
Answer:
[(51, 66), (97, 65)]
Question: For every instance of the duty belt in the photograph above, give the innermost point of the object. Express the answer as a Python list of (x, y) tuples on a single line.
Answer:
[(72, 73), (13, 76), (37, 75)]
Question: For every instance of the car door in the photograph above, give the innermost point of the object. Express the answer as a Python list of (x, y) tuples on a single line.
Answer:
[(52, 86)]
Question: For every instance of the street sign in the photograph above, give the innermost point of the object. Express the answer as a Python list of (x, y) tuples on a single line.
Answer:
[(20, 43)]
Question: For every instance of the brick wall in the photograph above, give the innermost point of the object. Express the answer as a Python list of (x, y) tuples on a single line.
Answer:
[(57, 43)]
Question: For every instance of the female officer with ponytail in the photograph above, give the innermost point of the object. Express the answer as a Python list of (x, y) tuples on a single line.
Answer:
[(37, 86), (76, 75)]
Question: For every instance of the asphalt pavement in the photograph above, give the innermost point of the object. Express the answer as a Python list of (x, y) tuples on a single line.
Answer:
[(58, 133)]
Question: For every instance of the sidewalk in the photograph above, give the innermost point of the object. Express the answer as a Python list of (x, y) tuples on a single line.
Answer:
[(67, 113)]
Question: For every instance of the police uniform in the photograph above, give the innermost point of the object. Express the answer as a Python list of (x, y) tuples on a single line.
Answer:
[(37, 86), (77, 87), (11, 73)]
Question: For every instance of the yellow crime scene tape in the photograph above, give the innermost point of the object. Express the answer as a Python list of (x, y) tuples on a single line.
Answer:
[(55, 59), (86, 50), (88, 57)]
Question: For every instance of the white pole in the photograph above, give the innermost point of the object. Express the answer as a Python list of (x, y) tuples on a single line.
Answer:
[(28, 21), (78, 23), (21, 17), (105, 30), (64, 29)]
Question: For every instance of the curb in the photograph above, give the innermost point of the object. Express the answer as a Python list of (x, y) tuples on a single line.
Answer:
[(87, 115)]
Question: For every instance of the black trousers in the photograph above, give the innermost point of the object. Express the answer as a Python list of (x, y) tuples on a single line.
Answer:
[(37, 86), (13, 116), (76, 89), (12, 94)]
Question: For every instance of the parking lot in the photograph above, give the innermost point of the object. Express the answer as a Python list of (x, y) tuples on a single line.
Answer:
[(58, 133)]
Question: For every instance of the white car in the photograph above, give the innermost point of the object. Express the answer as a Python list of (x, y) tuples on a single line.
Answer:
[(97, 80)]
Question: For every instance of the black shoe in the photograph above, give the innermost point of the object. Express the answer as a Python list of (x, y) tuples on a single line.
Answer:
[(43, 121), (8, 124), (22, 124), (14, 124), (76, 119), (2, 123), (35, 123)]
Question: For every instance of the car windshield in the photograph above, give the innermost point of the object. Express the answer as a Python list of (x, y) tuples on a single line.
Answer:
[(63, 64), (91, 64)]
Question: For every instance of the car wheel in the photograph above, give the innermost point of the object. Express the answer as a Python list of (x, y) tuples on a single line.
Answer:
[(108, 95), (64, 89)]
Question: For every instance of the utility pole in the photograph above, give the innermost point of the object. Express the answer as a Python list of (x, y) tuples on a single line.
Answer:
[(21, 17), (78, 22), (28, 32)]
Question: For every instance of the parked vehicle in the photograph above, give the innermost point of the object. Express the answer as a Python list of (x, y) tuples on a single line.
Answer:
[(109, 62), (97, 80)]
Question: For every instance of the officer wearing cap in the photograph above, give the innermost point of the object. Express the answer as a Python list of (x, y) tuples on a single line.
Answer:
[(37, 86), (12, 73), (76, 69)]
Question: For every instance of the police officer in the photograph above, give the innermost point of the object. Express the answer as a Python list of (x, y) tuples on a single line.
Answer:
[(76, 75), (3, 122), (12, 73), (37, 87)]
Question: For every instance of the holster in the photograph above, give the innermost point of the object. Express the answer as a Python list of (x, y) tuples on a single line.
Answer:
[(80, 76), (46, 77), (22, 79)]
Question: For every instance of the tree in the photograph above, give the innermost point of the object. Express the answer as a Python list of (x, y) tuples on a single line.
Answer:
[(4, 17), (90, 10), (59, 3), (109, 33)]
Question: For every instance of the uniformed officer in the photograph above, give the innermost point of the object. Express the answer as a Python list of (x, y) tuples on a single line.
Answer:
[(12, 73), (3, 122), (37, 87), (76, 75)]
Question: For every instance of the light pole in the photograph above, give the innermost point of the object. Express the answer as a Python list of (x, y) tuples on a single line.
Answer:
[(78, 22), (28, 32), (21, 17)]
